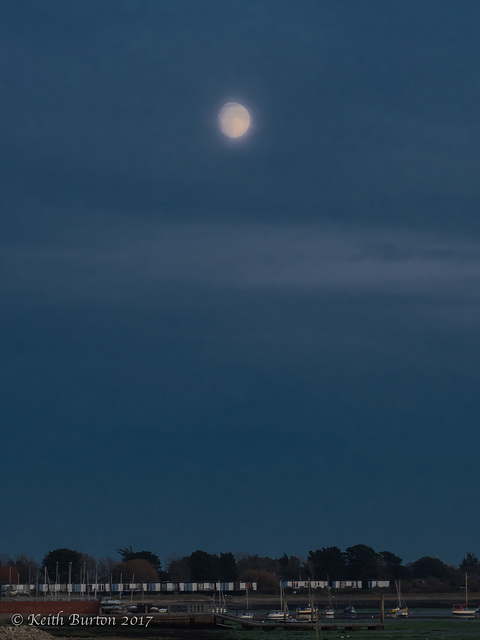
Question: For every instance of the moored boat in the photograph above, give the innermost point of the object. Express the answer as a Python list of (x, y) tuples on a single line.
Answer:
[(329, 611), (307, 612), (464, 610), (276, 615), (282, 613), (401, 610), (349, 612), (109, 605), (246, 615)]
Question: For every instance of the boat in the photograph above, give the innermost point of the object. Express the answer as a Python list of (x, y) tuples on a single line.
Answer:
[(401, 610), (276, 615), (282, 613), (329, 611), (308, 610), (109, 605), (109, 601), (463, 610), (349, 612), (246, 615)]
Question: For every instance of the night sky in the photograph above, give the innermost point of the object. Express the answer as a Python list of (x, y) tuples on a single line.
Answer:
[(268, 344)]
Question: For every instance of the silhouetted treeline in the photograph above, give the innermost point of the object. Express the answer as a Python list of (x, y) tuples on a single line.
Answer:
[(359, 562)]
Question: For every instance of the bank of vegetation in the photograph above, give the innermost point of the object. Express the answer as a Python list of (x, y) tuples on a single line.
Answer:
[(359, 562)]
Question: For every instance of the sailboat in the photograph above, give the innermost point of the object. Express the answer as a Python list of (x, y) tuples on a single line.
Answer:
[(401, 610), (282, 613), (309, 610), (246, 615), (463, 610), (329, 611)]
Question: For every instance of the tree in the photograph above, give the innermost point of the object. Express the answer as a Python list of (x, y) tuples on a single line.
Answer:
[(8, 572), (208, 567), (291, 567), (179, 569), (361, 562), (428, 567), (390, 566), (326, 563), (128, 554), (267, 582), (137, 570), (26, 567), (204, 567), (228, 567), (88, 567), (470, 564), (105, 568), (247, 564), (66, 561)]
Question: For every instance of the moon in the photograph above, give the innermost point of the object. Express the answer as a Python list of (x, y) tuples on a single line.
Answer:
[(233, 120)]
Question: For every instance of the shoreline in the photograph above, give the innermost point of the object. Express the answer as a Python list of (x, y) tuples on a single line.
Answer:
[(414, 600), (262, 601)]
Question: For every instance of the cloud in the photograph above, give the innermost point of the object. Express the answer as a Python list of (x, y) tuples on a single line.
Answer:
[(250, 257)]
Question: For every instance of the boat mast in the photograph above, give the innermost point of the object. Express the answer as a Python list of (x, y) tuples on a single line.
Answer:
[(399, 596)]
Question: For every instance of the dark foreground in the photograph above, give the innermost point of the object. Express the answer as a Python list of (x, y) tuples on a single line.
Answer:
[(410, 629)]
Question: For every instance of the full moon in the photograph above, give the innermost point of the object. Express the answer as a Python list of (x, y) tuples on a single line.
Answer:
[(233, 120)]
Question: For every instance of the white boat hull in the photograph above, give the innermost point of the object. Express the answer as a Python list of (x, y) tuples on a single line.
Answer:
[(276, 615), (465, 613)]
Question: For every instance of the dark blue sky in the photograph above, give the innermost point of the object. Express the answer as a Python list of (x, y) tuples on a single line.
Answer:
[(268, 345)]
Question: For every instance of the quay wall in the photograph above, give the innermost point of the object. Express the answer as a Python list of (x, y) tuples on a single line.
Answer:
[(88, 607)]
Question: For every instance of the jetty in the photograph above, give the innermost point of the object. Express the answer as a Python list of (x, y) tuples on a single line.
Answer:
[(226, 620)]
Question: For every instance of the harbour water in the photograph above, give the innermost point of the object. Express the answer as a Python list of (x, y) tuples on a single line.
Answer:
[(422, 624)]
